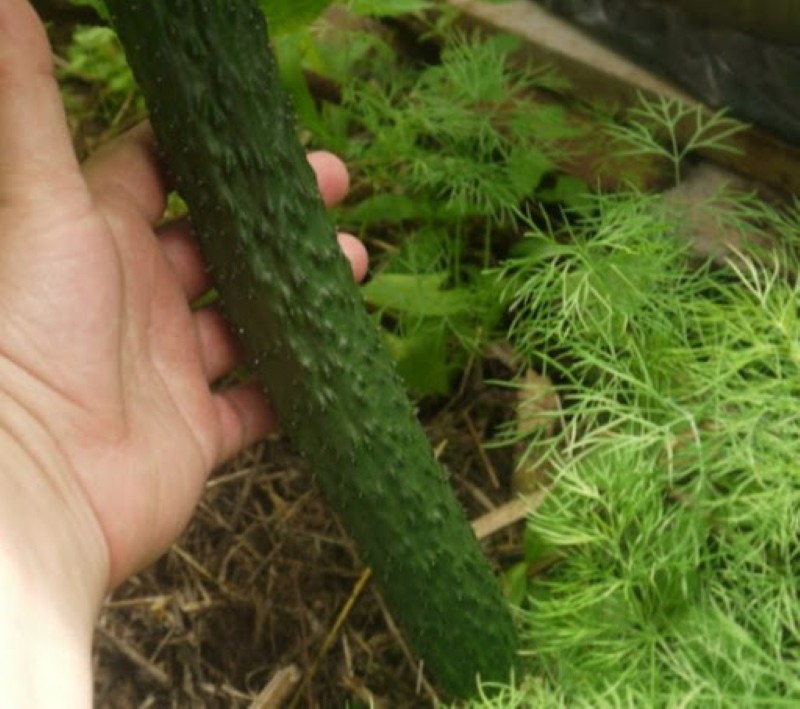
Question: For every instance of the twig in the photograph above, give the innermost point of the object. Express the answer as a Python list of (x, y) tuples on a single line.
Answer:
[(363, 693), (422, 683), (333, 633), (225, 691), (278, 689), (439, 448), (384, 245), (487, 463), (159, 600), (203, 572), (345, 612), (152, 671), (478, 494), (504, 516), (232, 477)]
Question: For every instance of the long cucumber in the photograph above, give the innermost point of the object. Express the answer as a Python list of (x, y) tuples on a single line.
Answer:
[(228, 135)]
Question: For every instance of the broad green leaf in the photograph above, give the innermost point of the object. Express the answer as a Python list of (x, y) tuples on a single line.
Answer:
[(526, 168), (515, 583), (291, 49), (422, 360), (289, 16), (387, 8), (535, 546), (568, 190), (391, 208), (419, 295)]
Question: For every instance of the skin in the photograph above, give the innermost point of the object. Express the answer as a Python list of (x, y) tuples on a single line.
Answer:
[(109, 424)]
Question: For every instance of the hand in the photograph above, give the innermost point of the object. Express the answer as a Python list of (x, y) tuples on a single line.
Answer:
[(105, 372)]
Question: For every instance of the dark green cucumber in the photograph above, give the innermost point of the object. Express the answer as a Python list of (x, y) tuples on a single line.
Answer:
[(229, 138)]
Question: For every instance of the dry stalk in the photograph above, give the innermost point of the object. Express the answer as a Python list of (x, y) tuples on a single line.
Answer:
[(488, 467), (278, 689), (151, 670)]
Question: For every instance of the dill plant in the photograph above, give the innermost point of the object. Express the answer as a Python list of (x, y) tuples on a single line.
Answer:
[(673, 522), (445, 155), (670, 129), (462, 136)]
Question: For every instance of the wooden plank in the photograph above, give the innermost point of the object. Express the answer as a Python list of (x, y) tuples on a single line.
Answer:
[(605, 78)]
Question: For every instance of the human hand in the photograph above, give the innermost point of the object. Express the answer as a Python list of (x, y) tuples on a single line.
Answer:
[(105, 372)]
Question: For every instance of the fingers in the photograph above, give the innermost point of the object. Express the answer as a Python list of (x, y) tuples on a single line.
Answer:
[(332, 177), (182, 251), (36, 155), (243, 413), (129, 165), (356, 253), (219, 350), (244, 416)]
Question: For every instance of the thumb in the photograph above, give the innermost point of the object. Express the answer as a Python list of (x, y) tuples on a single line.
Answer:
[(36, 155)]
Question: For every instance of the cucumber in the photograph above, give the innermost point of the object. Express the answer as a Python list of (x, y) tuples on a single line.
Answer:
[(229, 139)]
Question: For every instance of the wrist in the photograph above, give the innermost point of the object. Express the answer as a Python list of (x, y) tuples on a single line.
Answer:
[(45, 654), (53, 573)]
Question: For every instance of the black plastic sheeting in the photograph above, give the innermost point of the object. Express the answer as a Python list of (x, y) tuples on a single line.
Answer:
[(757, 80)]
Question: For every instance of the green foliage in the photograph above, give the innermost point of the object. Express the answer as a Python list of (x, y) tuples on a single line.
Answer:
[(429, 317), (674, 506), (96, 61), (290, 16), (445, 155), (464, 135), (387, 8), (671, 129)]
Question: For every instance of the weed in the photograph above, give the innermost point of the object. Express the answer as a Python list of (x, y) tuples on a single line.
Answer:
[(445, 155), (97, 82)]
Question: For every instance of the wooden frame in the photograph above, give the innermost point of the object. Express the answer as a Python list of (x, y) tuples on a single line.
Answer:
[(605, 78)]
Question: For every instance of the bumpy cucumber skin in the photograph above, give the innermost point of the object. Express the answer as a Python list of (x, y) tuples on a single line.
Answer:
[(229, 138)]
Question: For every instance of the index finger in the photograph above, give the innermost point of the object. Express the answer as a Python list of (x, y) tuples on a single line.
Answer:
[(36, 154), (130, 164)]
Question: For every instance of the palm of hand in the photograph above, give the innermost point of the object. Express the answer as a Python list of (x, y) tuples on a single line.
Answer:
[(102, 354)]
